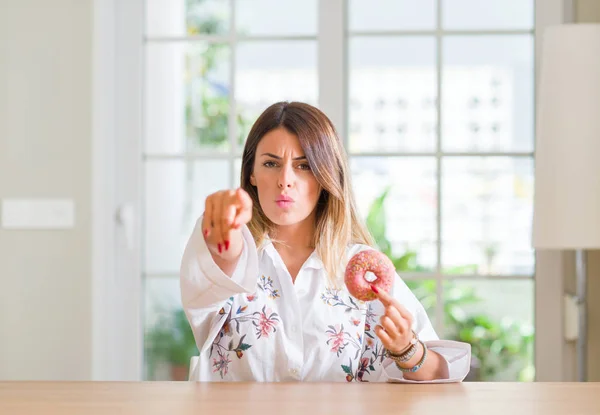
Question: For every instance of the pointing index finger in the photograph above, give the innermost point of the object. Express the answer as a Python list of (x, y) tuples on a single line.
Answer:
[(384, 297), (387, 300), (243, 198)]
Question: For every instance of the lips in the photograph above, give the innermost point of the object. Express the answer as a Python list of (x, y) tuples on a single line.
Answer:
[(284, 201), (284, 198)]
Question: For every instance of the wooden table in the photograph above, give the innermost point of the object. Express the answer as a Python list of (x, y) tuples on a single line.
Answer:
[(179, 398)]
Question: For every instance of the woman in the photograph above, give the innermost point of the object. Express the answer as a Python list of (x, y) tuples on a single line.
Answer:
[(262, 274)]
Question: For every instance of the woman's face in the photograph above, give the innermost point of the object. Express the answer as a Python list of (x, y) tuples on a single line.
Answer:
[(288, 191)]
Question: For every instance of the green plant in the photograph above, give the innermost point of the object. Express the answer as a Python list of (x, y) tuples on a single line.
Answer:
[(499, 345), (376, 223), (170, 340)]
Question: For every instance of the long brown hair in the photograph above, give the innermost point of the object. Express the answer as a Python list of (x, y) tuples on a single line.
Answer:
[(337, 222)]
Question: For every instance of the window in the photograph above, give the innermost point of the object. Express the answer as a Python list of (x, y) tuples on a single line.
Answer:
[(211, 67), (438, 123), (440, 117)]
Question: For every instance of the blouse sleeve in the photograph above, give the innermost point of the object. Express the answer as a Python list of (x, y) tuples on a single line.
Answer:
[(206, 289), (456, 354)]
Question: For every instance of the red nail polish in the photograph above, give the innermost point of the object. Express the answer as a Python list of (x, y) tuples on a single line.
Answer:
[(375, 290), (219, 247), (226, 245)]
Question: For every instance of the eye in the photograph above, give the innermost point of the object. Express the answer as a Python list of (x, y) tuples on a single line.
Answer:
[(304, 166), (269, 164)]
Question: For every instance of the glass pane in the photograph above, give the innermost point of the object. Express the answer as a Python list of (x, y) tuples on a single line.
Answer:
[(426, 293), (488, 14), (487, 205), (379, 15), (175, 194), (402, 221), (186, 97), (392, 94), (268, 72), (187, 18), (169, 342), (276, 17), (496, 317), (487, 93)]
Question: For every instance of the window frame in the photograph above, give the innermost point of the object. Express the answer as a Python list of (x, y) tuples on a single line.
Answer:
[(117, 178)]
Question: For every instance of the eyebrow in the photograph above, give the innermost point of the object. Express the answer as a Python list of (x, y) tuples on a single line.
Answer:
[(279, 158)]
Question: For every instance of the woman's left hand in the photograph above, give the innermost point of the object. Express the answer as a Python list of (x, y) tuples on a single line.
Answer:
[(395, 328)]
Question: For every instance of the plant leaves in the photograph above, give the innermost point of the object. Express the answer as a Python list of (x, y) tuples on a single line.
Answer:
[(376, 222)]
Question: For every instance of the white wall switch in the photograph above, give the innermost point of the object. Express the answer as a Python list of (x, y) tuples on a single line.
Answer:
[(24, 214), (571, 316)]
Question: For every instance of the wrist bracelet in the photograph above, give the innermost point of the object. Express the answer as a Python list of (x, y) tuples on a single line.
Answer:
[(406, 354), (418, 365)]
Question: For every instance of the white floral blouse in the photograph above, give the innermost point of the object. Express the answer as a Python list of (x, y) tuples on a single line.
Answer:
[(259, 326)]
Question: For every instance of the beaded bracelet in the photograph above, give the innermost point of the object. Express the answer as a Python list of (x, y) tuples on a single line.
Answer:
[(418, 365), (406, 354)]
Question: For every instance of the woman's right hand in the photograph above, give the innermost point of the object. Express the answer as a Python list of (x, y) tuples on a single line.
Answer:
[(224, 214)]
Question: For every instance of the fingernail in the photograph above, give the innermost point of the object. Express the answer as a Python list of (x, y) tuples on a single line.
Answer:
[(226, 245), (375, 290), (219, 246)]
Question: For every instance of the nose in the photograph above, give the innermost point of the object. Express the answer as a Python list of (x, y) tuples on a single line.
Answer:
[(286, 178)]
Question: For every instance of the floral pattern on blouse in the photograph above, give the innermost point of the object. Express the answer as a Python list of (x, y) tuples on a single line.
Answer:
[(333, 297), (266, 284), (338, 339), (264, 321), (369, 354)]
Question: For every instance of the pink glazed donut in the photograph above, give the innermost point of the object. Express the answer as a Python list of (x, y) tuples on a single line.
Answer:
[(359, 265)]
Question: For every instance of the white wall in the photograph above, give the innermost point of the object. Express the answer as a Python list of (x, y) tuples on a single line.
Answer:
[(45, 151)]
